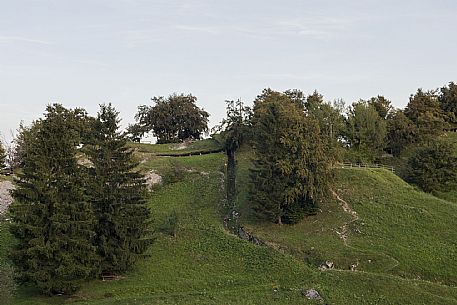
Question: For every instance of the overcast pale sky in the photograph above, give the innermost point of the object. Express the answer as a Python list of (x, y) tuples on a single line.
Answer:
[(86, 52)]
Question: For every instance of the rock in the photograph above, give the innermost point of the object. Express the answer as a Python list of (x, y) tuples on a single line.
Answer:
[(354, 266), (5, 195), (152, 178), (181, 146), (243, 234), (311, 294), (326, 265)]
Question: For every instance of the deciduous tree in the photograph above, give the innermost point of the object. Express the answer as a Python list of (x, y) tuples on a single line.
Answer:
[(425, 112), (171, 119), (401, 132), (448, 102), (434, 167), (366, 131), (234, 131), (382, 105)]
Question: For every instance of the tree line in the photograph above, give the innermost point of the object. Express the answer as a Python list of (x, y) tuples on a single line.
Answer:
[(297, 139)]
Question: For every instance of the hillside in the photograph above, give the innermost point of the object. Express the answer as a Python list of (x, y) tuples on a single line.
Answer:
[(403, 244)]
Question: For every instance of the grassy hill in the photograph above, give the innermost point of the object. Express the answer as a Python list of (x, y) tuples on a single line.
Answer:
[(404, 245)]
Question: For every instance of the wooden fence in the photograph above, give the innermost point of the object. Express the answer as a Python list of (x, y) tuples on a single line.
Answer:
[(361, 165)]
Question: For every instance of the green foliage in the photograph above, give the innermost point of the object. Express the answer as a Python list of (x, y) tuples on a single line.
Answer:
[(331, 123), (448, 102), (401, 132), (291, 171), (2, 156), (366, 131), (382, 106), (298, 97), (434, 167), (117, 194), (425, 112), (171, 119), (7, 283), (170, 225), (21, 142), (234, 129), (52, 220), (175, 173)]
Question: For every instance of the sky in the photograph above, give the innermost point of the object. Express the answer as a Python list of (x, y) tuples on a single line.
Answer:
[(82, 53)]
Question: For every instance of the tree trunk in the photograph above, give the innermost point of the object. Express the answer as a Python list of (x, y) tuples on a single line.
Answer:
[(231, 177)]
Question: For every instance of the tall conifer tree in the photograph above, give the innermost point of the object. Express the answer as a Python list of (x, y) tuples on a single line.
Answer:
[(52, 220), (292, 171), (117, 194)]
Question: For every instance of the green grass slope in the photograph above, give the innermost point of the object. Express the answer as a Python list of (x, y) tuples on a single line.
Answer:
[(407, 236), (398, 232)]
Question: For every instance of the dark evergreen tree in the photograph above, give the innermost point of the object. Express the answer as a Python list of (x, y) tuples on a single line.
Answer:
[(433, 167), (52, 220), (291, 172), (21, 142), (118, 195)]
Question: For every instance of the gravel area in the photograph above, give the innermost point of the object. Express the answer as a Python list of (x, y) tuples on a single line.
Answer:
[(5, 195)]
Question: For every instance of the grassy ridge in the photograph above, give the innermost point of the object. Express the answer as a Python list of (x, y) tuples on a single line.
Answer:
[(204, 264), (178, 148)]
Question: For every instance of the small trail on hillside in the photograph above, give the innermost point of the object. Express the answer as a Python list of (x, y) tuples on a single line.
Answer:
[(343, 234), (5, 195)]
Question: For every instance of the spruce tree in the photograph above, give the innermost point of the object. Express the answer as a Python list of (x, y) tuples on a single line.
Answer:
[(52, 220), (117, 194)]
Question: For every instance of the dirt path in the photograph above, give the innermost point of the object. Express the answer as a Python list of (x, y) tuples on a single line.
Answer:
[(343, 233), (5, 196)]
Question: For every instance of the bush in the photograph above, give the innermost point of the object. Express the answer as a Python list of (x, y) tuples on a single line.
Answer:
[(170, 225), (433, 167), (7, 283), (176, 173)]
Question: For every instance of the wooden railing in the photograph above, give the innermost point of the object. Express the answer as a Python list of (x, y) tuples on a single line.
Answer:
[(361, 165)]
